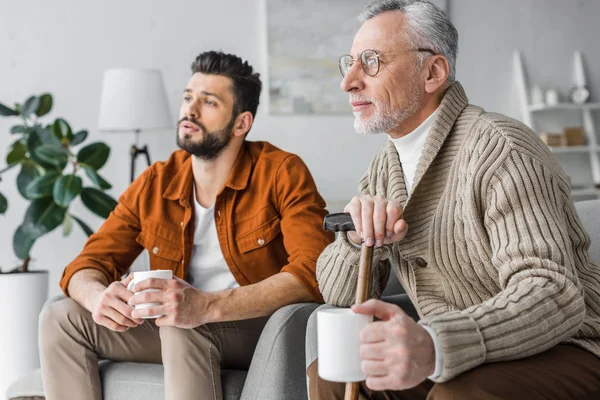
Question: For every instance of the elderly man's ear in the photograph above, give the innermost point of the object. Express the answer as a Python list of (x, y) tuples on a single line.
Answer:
[(437, 70)]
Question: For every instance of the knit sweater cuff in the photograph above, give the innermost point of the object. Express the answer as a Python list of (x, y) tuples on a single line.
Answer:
[(461, 342)]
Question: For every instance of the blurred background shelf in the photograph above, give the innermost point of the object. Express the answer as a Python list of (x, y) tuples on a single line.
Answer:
[(567, 156), (563, 106)]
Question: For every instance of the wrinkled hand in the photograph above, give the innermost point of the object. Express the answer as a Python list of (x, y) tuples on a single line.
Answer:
[(183, 305), (396, 352), (110, 308), (377, 220)]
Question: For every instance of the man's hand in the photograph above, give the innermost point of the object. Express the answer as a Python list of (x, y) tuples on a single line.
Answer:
[(397, 353), (183, 305), (110, 308), (377, 220)]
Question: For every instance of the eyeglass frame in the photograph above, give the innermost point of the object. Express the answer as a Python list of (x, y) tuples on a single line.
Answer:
[(377, 55)]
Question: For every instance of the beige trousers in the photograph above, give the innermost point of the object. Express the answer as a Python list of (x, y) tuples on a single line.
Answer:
[(71, 344)]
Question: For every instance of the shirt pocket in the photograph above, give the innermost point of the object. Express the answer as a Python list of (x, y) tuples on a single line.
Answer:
[(260, 236), (163, 253)]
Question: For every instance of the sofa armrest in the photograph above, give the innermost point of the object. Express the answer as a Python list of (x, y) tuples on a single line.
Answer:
[(277, 370)]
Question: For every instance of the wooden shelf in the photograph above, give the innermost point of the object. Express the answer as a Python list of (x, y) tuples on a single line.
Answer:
[(572, 149), (564, 106), (585, 192)]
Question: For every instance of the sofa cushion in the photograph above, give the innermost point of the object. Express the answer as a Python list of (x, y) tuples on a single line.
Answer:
[(128, 381)]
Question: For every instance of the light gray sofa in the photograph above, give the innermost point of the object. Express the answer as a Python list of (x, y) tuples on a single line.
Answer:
[(277, 370), (588, 211)]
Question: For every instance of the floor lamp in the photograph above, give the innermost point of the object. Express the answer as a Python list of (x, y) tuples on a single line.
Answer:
[(134, 100)]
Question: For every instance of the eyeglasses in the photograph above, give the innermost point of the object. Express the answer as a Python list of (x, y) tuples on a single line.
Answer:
[(369, 59)]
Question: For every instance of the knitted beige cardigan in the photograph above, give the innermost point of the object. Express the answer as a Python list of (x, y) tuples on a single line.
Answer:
[(496, 259)]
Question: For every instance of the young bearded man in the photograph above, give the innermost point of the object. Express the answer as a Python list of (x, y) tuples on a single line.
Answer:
[(240, 225)]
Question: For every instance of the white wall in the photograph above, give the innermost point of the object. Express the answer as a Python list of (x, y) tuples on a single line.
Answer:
[(64, 46)]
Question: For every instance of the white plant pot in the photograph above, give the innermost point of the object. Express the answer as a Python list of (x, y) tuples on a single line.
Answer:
[(21, 299)]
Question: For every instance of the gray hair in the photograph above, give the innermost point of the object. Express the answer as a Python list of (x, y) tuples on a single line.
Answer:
[(428, 27)]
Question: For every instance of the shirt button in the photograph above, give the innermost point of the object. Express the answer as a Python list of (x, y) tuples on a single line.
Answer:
[(261, 241), (155, 250), (421, 262)]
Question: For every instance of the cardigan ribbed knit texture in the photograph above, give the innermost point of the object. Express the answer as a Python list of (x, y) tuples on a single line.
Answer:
[(496, 259)]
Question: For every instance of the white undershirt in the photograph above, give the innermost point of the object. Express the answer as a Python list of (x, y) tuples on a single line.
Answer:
[(208, 270), (410, 147)]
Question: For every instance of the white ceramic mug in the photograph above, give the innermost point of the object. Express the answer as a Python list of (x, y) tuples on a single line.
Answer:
[(139, 276), (338, 339)]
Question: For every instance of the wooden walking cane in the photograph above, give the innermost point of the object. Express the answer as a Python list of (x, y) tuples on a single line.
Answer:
[(342, 222)]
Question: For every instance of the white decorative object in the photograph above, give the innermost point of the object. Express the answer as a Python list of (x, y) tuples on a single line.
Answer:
[(537, 95), (579, 93), (551, 97), (22, 296)]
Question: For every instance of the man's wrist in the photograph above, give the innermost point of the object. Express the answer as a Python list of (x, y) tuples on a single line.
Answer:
[(211, 305)]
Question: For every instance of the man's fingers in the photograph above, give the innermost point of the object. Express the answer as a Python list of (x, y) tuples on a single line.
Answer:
[(125, 310), (378, 308), (149, 311), (118, 318), (367, 222), (400, 231), (128, 279), (374, 350), (373, 333), (374, 368), (150, 283), (146, 297), (353, 208), (379, 220), (379, 383), (394, 213), (112, 325)]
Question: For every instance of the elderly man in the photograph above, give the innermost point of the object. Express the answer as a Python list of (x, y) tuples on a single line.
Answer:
[(474, 215), (238, 223)]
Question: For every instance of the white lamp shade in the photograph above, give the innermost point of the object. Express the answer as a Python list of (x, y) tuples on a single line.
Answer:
[(133, 99)]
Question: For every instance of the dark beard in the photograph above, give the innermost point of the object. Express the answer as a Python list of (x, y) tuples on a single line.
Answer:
[(212, 144)]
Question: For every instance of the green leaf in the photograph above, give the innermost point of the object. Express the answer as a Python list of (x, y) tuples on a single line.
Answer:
[(96, 178), (17, 153), (39, 136), (67, 225), (45, 105), (79, 137), (62, 130), (66, 188), (98, 202), (22, 242), (18, 129), (42, 186), (31, 105), (3, 204), (27, 174), (6, 111), (55, 156), (42, 216), (88, 231), (94, 155)]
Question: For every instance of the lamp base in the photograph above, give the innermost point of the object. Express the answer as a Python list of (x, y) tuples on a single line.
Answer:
[(135, 152)]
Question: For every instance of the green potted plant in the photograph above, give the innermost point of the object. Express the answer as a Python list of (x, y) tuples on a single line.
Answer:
[(54, 170)]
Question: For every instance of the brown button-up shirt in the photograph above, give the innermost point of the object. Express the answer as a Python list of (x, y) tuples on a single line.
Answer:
[(268, 216)]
